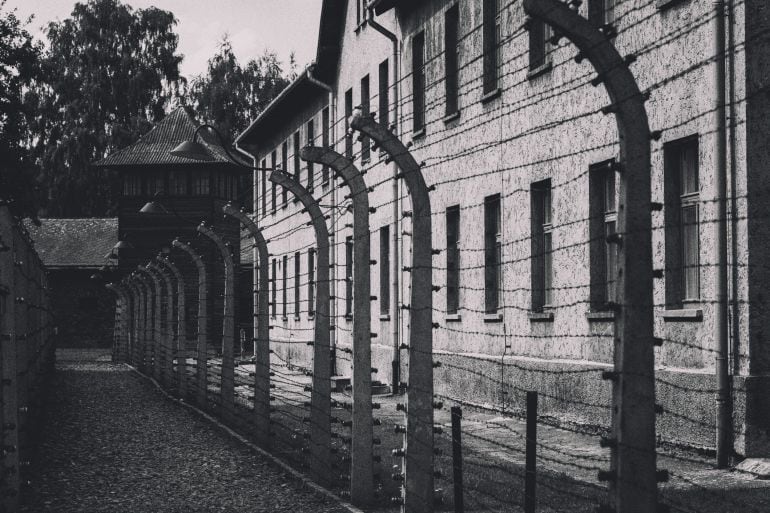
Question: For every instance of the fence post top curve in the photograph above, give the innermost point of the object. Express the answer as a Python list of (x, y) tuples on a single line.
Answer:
[(341, 165)]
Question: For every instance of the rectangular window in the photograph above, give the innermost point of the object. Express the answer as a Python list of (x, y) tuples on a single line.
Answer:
[(285, 272), (263, 177), (201, 182), (297, 165), (542, 245), (418, 82), (492, 253), (385, 270), (179, 183), (451, 60), (603, 220), (156, 184), (491, 42), (310, 141), (297, 276), (274, 293), (348, 113), (601, 12), (539, 33), (285, 166), (365, 147), (325, 142), (311, 282), (132, 184), (384, 96), (682, 198), (349, 277), (453, 259), (275, 187)]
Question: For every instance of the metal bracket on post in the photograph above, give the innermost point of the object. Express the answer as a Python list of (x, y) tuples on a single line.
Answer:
[(361, 470), (262, 335), (227, 382), (320, 400), (203, 338), (634, 486), (418, 465), (167, 323), (181, 326)]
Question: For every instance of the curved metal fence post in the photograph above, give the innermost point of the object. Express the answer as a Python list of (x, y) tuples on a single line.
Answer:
[(418, 447), (203, 338), (227, 383), (121, 310), (167, 323), (320, 400), (181, 326), (262, 335), (361, 464), (633, 484), (154, 314)]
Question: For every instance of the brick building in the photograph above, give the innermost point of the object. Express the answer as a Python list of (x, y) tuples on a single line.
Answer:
[(512, 134)]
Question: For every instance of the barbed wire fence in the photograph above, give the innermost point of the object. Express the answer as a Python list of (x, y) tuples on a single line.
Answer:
[(440, 434), (27, 327)]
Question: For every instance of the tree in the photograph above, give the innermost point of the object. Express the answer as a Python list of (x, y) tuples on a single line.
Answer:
[(19, 56), (108, 73), (229, 96)]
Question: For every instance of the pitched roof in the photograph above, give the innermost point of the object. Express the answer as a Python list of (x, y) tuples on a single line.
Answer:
[(154, 147), (74, 242)]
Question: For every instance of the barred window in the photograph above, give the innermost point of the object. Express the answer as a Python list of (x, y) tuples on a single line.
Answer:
[(603, 221), (542, 245), (682, 198), (201, 183), (492, 253), (539, 34), (453, 259)]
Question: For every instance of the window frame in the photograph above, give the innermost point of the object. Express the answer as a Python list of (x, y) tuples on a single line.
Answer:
[(492, 253), (452, 217), (383, 115), (603, 214), (310, 136), (384, 270), (274, 158), (542, 245), (491, 36), (451, 60), (325, 120), (349, 277), (311, 253), (348, 113), (297, 275), (284, 282), (366, 150), (418, 83)]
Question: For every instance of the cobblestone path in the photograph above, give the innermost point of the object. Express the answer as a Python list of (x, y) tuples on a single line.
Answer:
[(113, 443)]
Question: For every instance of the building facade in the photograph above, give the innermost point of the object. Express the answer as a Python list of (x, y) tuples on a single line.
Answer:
[(513, 138)]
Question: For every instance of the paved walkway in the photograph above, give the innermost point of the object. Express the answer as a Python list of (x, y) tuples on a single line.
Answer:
[(113, 443)]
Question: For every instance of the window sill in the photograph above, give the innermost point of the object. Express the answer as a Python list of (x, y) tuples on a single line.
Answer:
[(491, 95), (451, 117), (493, 317), (418, 134), (683, 314), (540, 70), (665, 4), (384, 317), (600, 316), (454, 317), (540, 316)]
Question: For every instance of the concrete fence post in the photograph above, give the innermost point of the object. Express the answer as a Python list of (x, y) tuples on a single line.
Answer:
[(167, 301), (203, 339), (320, 400), (145, 322), (418, 446), (262, 328), (227, 382), (361, 465), (9, 407), (632, 476), (136, 293), (121, 311), (156, 326), (180, 349)]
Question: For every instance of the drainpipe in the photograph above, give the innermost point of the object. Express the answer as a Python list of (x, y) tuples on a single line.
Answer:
[(724, 410), (396, 231), (332, 220)]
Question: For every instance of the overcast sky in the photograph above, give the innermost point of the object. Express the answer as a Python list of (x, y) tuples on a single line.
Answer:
[(253, 26)]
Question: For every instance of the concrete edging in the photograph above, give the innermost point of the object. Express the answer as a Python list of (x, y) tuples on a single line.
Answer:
[(284, 466)]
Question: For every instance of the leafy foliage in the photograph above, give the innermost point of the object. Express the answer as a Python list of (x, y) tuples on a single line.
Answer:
[(229, 96), (18, 68), (108, 73)]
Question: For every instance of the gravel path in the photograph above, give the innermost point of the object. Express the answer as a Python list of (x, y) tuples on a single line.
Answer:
[(113, 443)]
